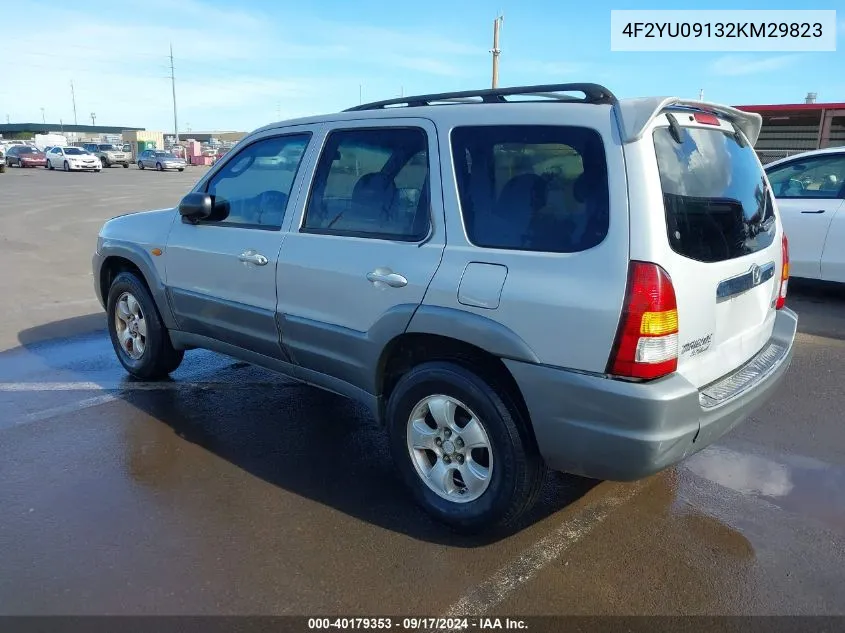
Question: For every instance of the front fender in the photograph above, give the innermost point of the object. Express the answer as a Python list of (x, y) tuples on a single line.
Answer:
[(149, 231), (142, 259)]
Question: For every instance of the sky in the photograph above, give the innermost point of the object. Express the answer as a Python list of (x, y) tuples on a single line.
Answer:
[(241, 65)]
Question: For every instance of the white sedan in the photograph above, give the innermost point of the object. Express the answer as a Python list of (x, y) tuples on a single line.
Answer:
[(72, 159), (810, 193)]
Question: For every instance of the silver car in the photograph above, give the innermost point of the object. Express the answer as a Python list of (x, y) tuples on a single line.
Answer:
[(160, 160), (590, 284)]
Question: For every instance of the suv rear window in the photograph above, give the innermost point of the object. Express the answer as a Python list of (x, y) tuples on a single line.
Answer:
[(715, 196), (532, 187)]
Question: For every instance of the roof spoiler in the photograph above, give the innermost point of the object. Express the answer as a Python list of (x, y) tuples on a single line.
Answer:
[(635, 115)]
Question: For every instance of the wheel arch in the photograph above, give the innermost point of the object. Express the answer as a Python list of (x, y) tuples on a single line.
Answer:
[(413, 348), (122, 257)]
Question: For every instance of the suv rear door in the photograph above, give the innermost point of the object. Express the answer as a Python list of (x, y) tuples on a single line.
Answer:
[(701, 208), (362, 247)]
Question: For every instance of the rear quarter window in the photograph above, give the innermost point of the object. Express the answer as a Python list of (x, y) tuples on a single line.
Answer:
[(532, 188), (715, 197)]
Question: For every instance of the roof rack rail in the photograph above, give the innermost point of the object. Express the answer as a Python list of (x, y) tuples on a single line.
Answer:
[(593, 93)]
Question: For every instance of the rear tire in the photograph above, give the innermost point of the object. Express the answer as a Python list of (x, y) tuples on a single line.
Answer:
[(158, 358), (514, 472), (126, 165), (140, 165), (159, 167)]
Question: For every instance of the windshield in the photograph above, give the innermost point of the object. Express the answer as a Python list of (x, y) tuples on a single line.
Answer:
[(107, 148), (28, 150), (714, 193), (74, 151)]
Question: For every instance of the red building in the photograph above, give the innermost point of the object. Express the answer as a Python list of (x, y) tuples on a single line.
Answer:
[(793, 128)]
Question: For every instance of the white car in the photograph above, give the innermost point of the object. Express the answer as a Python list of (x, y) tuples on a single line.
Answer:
[(72, 159), (810, 193)]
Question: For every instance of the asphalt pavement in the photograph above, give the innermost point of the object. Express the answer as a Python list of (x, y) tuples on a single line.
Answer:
[(231, 490)]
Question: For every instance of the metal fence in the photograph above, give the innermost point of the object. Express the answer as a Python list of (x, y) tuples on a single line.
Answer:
[(771, 155)]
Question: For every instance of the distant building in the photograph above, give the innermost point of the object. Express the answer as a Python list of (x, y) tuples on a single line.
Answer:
[(27, 130), (798, 127)]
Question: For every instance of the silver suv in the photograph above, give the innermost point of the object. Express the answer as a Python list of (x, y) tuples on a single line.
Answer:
[(512, 279), (109, 154)]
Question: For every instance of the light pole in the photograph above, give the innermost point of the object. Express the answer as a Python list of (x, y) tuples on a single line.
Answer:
[(93, 118), (43, 120)]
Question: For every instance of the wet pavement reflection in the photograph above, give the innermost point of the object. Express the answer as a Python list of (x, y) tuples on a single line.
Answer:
[(229, 489)]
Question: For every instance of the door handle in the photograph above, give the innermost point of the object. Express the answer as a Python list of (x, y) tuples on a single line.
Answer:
[(386, 277), (814, 212), (251, 257)]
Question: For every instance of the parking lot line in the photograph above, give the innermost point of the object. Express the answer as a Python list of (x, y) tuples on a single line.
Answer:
[(15, 387), (493, 591), (64, 409)]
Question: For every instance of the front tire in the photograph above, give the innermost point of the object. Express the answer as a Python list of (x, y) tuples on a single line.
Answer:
[(139, 338), (49, 165), (467, 456), (126, 165), (66, 166)]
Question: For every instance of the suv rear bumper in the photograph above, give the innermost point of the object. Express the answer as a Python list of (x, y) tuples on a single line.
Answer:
[(616, 430)]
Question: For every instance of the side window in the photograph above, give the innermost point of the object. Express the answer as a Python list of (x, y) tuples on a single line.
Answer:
[(372, 183), (252, 188), (532, 188), (822, 177)]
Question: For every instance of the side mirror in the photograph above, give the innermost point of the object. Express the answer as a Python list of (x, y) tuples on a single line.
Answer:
[(196, 206)]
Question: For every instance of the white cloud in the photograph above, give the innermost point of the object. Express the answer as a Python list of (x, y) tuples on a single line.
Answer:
[(736, 65), (235, 67), (554, 71)]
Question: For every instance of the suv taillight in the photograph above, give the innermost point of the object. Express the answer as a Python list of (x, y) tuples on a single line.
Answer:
[(646, 344), (784, 274)]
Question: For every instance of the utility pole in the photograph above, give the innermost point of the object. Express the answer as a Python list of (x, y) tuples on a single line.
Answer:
[(497, 23), (93, 118), (73, 98), (173, 86), (701, 94), (43, 120), (360, 94)]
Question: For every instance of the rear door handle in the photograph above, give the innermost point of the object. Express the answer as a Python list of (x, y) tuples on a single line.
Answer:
[(814, 212), (251, 257), (385, 276)]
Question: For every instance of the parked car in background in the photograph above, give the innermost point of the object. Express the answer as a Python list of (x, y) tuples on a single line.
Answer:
[(2, 161), (810, 193), (108, 154), (25, 156), (72, 159), (160, 160), (591, 284), (220, 153)]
